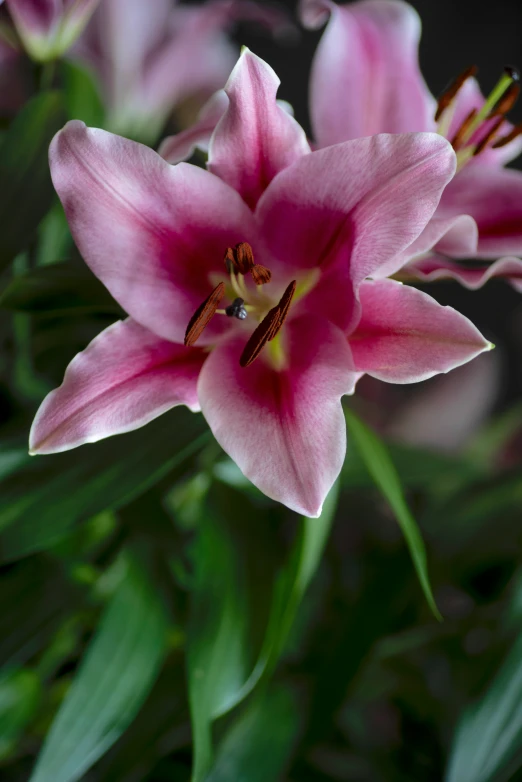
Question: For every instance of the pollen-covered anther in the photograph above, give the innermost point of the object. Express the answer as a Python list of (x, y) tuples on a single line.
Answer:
[(512, 72), (488, 137), (448, 95), (203, 315), (260, 274), (511, 136), (269, 327), (457, 139), (239, 259)]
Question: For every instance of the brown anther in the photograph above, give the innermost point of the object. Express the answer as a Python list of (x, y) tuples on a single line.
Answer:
[(461, 132), (260, 274), (447, 96), (203, 315), (507, 101), (239, 259), (269, 327), (489, 136), (517, 131)]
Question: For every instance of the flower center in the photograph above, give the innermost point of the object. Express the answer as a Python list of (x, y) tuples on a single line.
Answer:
[(239, 263), (481, 128)]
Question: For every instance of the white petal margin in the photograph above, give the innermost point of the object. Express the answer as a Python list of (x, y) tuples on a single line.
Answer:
[(126, 377), (284, 427)]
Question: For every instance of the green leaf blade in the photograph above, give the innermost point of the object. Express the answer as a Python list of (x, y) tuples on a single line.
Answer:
[(382, 470), (112, 682)]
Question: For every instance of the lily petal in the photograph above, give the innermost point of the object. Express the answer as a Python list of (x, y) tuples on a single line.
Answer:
[(362, 202), (365, 76), (285, 428), (151, 232), (436, 267), (256, 138), (493, 197), (180, 147), (125, 378), (405, 336)]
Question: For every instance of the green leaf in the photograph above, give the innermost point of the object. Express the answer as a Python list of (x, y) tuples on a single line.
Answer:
[(26, 191), (114, 678), (257, 746), (382, 470), (20, 692), (228, 652), (63, 288), (488, 741), (82, 97), (47, 495)]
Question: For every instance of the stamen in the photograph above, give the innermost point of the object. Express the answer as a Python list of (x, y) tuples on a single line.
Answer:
[(503, 85), (237, 309), (203, 315), (487, 138), (260, 274), (447, 97), (239, 259), (507, 102), (459, 136), (511, 136), (269, 327), (512, 72)]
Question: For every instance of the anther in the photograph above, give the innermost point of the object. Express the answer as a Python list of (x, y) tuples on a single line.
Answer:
[(269, 327), (448, 95), (488, 137), (517, 131), (260, 274), (463, 129), (203, 315), (507, 101), (237, 309), (239, 259)]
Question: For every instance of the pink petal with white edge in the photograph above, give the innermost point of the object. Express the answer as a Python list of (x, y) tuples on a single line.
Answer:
[(404, 336), (180, 147), (285, 429), (361, 203), (256, 138), (125, 378), (365, 75), (435, 268), (151, 232), (493, 197)]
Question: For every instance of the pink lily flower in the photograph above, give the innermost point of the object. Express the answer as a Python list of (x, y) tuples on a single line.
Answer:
[(263, 262), (366, 79), (49, 27), (152, 57)]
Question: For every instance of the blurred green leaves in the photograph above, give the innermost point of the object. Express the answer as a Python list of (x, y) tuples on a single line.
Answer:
[(383, 472), (26, 191), (240, 623), (45, 496), (115, 676), (64, 288)]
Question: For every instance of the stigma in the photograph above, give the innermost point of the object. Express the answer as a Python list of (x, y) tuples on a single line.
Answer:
[(482, 128), (239, 264)]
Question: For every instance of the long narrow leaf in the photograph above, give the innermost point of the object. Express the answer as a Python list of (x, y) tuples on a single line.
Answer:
[(382, 470), (114, 679)]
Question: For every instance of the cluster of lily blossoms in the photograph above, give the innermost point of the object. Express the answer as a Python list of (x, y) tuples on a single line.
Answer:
[(258, 290)]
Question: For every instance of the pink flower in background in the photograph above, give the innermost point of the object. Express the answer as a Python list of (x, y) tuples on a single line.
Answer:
[(151, 57), (246, 285), (49, 27), (366, 79)]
